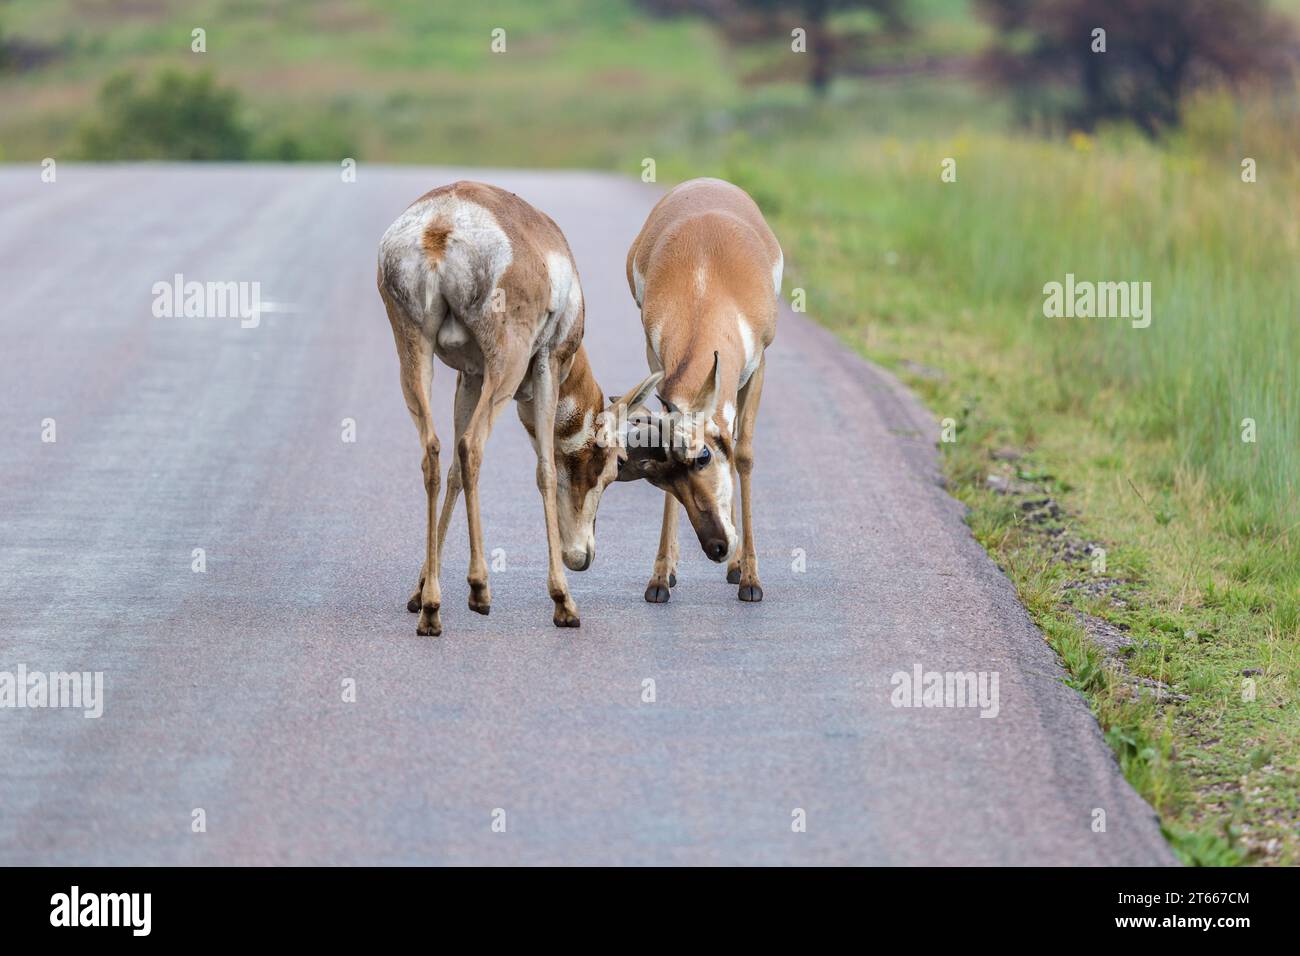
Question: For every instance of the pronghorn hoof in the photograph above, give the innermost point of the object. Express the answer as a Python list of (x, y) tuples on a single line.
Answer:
[(480, 598), (413, 605), (750, 592), (657, 594), (672, 580), (733, 576), (430, 624), (565, 619)]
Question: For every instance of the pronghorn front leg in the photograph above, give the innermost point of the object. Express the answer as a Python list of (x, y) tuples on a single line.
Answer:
[(750, 589), (733, 566), (665, 573), (546, 393)]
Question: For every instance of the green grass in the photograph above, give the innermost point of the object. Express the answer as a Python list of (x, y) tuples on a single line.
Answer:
[(1135, 432)]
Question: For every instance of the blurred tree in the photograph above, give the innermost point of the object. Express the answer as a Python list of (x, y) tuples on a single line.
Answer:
[(830, 45), (1152, 54), (827, 47)]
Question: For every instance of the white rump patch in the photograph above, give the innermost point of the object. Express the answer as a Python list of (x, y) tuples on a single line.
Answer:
[(777, 271), (476, 245)]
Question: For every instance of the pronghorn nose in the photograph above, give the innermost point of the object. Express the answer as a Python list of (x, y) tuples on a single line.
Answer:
[(579, 560), (716, 550)]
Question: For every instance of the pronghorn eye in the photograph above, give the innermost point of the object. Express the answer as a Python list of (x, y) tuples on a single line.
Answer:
[(703, 458)]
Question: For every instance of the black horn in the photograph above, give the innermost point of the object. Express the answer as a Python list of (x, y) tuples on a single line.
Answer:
[(672, 409)]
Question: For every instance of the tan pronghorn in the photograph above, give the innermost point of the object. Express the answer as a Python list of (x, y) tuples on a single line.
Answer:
[(706, 272), (480, 278)]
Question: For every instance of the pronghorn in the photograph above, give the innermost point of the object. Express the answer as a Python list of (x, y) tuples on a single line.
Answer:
[(705, 271), (480, 278)]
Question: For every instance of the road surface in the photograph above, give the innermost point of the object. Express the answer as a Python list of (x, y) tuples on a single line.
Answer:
[(772, 737)]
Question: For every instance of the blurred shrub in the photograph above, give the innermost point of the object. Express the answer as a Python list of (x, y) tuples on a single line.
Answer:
[(314, 132), (178, 116), (325, 140)]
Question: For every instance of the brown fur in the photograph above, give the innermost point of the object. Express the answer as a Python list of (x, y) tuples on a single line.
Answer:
[(714, 226), (706, 257)]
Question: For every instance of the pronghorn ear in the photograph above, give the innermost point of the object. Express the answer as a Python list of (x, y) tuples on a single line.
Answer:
[(706, 401), (637, 397)]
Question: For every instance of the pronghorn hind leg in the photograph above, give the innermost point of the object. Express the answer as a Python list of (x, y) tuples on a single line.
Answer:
[(467, 392), (664, 577), (415, 360), (467, 396), (498, 388), (748, 399)]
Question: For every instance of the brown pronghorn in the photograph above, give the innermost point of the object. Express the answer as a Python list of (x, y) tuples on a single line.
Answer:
[(480, 278), (706, 272)]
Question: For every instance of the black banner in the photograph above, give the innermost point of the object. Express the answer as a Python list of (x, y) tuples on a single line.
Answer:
[(337, 905)]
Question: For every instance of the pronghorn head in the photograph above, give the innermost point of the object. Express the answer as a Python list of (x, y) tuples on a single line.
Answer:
[(685, 452), (586, 462)]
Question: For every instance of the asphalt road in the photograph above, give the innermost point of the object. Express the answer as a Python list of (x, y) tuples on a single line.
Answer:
[(224, 690)]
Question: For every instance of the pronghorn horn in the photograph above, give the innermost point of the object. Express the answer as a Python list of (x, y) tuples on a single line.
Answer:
[(672, 409), (643, 444), (637, 395)]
